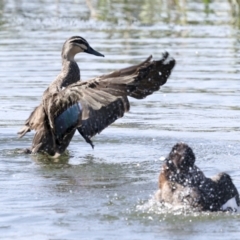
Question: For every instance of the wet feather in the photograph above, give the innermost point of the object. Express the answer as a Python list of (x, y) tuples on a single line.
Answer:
[(89, 107)]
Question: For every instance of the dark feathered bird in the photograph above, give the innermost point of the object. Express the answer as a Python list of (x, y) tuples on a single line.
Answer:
[(182, 182), (69, 104)]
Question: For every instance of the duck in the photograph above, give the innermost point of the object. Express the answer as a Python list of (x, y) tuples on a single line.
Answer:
[(70, 104), (182, 183)]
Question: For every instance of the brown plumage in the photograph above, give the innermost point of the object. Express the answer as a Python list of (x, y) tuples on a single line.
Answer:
[(70, 104)]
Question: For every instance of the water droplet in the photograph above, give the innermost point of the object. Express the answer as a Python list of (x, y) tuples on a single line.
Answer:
[(162, 158)]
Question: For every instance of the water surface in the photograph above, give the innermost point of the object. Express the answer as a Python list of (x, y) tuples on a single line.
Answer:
[(106, 193)]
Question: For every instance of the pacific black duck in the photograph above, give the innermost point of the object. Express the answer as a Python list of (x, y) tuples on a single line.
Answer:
[(69, 104)]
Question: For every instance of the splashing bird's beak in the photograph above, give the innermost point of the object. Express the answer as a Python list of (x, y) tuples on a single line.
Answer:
[(94, 52)]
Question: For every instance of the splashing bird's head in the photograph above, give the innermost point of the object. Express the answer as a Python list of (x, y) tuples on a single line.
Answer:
[(180, 158), (75, 45)]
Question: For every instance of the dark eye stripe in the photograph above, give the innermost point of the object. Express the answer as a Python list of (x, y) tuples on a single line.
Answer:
[(78, 40)]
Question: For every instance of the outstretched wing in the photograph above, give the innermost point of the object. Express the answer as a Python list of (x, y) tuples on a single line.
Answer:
[(93, 105), (106, 115)]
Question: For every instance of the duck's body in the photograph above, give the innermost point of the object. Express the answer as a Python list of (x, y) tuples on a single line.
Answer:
[(181, 182), (69, 104)]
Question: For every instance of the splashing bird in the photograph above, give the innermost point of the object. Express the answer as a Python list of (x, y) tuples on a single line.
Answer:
[(69, 104), (181, 182)]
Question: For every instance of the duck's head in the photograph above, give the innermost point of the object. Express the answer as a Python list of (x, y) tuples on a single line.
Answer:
[(181, 158), (75, 45)]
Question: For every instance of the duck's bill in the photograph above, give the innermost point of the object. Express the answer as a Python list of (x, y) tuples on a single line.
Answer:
[(94, 52)]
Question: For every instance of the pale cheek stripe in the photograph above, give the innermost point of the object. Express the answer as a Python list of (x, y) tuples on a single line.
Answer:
[(83, 46)]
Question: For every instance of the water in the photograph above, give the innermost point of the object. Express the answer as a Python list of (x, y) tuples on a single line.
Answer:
[(106, 193)]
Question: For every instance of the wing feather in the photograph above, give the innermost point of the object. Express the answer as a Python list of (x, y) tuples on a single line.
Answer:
[(104, 99)]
